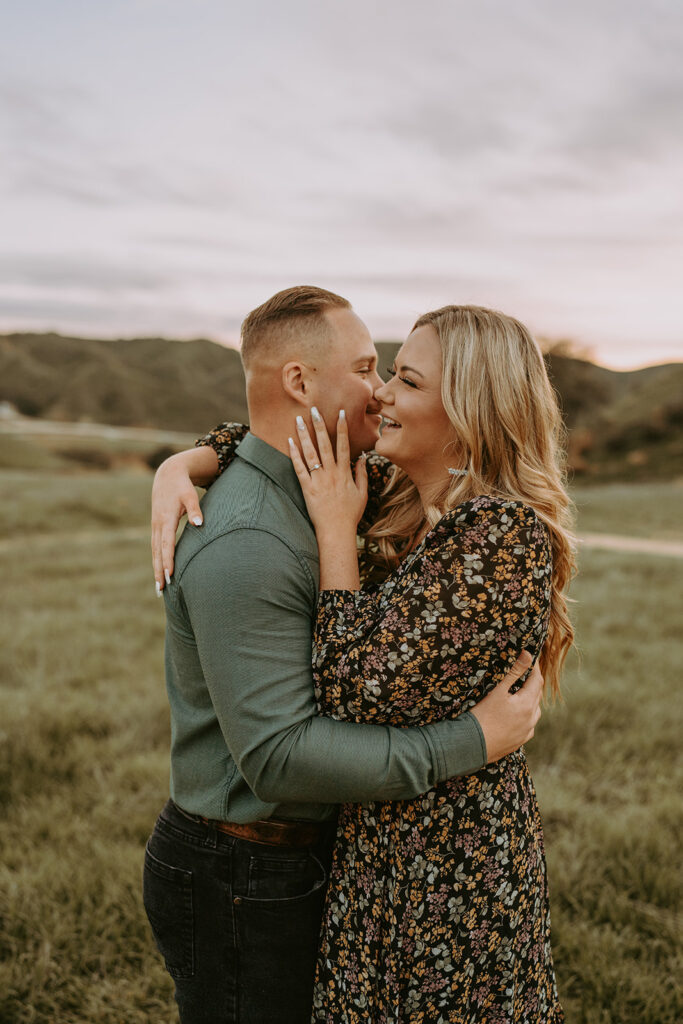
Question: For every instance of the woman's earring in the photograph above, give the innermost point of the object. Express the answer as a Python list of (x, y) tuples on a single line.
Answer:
[(457, 472)]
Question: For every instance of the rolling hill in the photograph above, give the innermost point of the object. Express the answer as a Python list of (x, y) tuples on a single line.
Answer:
[(142, 382), (620, 424)]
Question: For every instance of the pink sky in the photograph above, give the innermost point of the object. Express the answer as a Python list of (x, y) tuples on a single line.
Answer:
[(165, 165)]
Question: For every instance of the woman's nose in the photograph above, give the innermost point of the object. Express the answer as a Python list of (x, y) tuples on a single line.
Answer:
[(382, 392)]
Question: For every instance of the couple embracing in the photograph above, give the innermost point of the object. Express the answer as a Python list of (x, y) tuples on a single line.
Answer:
[(353, 834)]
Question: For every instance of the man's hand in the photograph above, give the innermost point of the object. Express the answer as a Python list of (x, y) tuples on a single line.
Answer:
[(508, 719), (173, 496)]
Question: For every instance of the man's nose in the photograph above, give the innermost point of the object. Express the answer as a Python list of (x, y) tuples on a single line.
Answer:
[(375, 380)]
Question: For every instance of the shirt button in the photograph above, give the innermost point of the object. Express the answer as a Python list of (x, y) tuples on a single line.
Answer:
[(237, 900)]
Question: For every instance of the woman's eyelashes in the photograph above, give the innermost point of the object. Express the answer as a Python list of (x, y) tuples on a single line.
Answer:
[(405, 380)]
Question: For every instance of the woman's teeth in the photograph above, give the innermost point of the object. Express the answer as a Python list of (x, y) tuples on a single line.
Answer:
[(388, 424)]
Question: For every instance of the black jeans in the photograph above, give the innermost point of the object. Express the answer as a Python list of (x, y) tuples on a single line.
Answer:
[(236, 922)]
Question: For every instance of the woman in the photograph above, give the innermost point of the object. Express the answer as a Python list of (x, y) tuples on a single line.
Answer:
[(437, 908)]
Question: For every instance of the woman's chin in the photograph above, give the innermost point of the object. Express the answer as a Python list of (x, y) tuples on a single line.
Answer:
[(387, 446)]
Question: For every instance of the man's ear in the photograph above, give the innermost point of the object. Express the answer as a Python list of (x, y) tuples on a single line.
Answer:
[(296, 382)]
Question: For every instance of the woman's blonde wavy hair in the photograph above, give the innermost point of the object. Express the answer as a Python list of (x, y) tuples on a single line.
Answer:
[(497, 395)]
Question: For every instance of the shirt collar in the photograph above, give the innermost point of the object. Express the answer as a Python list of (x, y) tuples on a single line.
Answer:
[(276, 465)]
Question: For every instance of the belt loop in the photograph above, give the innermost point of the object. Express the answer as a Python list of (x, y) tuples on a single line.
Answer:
[(211, 841)]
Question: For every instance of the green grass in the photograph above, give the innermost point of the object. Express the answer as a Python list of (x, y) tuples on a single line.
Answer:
[(84, 766), (38, 503), (22, 454), (83, 772), (636, 510), (67, 452), (609, 777)]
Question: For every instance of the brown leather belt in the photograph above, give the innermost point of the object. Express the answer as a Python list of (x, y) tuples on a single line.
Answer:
[(274, 832)]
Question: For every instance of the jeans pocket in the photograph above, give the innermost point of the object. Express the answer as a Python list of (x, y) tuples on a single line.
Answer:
[(167, 897), (278, 927), (286, 880)]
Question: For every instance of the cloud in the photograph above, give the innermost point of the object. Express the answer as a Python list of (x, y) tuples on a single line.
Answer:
[(517, 154), (35, 113), (82, 272), (58, 147), (517, 99), (99, 319), (226, 245), (114, 183), (637, 119)]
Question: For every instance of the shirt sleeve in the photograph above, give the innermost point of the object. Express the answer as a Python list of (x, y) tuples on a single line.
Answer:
[(445, 630), (224, 439), (252, 626)]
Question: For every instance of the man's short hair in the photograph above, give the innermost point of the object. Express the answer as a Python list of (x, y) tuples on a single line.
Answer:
[(293, 314)]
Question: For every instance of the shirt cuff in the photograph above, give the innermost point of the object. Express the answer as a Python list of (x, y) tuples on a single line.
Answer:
[(459, 745)]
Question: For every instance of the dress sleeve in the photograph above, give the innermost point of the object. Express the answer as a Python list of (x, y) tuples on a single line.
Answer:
[(445, 627), (224, 440), (379, 470)]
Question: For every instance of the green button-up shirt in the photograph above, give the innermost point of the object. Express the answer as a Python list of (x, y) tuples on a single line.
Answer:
[(247, 742)]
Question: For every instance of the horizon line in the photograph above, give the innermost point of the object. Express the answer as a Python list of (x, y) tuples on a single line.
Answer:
[(582, 353)]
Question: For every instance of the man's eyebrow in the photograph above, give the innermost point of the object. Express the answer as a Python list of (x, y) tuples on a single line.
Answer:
[(365, 359)]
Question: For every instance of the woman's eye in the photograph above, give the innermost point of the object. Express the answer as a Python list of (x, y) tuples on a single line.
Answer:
[(393, 373)]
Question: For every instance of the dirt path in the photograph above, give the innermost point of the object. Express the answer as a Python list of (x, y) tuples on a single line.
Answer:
[(638, 545), (43, 541), (55, 428), (603, 541)]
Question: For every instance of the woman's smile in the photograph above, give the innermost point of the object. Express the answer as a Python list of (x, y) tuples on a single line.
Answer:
[(389, 424), (411, 405)]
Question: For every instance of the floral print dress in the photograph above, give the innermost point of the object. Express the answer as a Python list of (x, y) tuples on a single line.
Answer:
[(437, 907)]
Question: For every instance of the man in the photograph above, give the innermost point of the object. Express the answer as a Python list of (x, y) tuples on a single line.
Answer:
[(236, 868)]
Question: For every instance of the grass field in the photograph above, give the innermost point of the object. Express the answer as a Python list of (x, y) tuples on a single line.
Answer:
[(645, 510), (84, 762)]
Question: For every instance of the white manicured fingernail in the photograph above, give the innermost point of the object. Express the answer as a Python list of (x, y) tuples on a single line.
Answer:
[(167, 577), (197, 520), (316, 415), (291, 442), (342, 414), (157, 587), (300, 422)]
